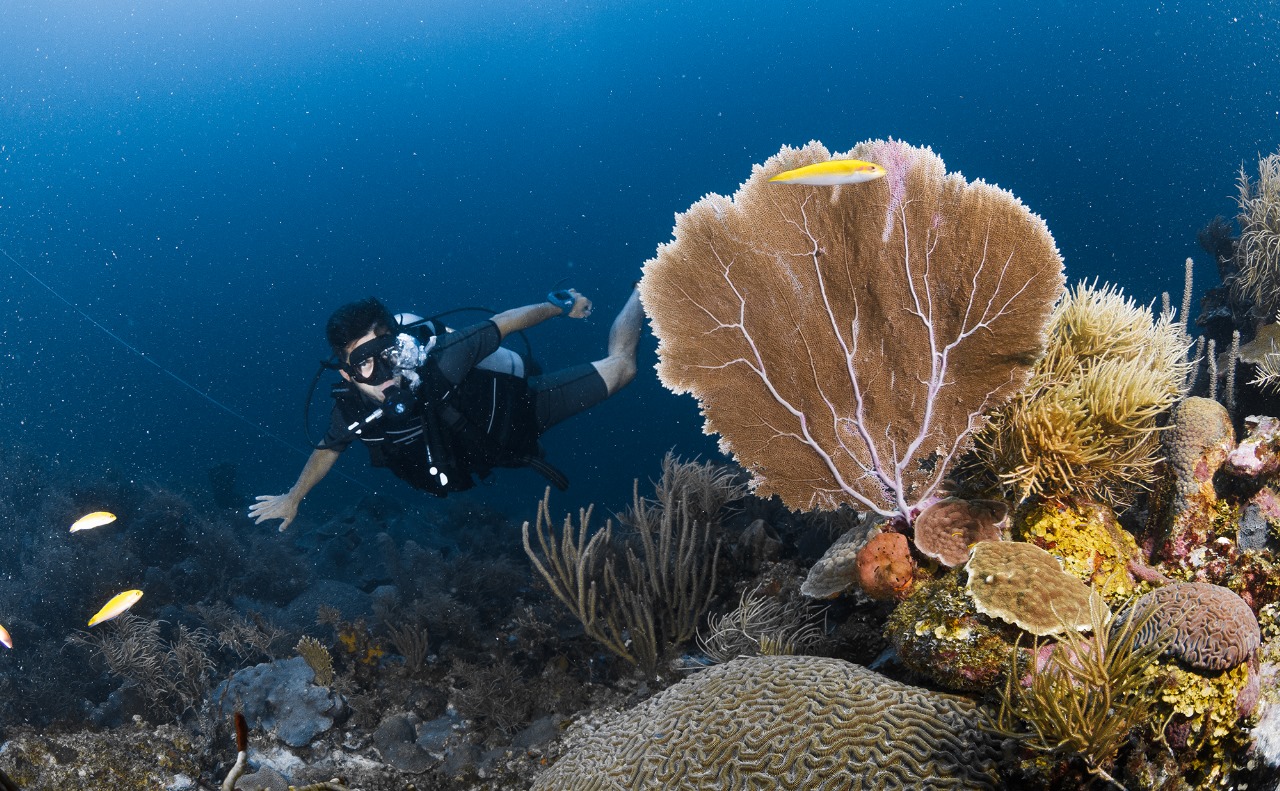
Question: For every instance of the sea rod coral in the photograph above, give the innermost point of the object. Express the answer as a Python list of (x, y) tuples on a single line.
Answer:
[(845, 343), (1258, 252)]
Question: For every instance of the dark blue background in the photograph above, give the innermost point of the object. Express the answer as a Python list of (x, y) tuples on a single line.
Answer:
[(210, 183)]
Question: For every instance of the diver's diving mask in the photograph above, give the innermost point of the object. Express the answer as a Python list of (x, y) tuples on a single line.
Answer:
[(374, 362)]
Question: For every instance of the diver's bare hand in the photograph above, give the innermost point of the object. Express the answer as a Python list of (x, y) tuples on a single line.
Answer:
[(274, 506), (581, 306)]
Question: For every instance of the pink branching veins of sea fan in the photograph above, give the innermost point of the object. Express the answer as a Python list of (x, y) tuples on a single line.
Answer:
[(845, 343)]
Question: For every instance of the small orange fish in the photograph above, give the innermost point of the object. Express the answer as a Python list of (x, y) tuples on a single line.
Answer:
[(5, 639), (833, 172), (95, 519), (118, 604)]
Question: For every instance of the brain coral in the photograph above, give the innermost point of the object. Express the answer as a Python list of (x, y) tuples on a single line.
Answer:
[(945, 530), (1213, 627), (784, 722), (835, 572), (1024, 585)]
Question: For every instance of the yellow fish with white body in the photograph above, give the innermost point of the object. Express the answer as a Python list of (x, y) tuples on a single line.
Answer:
[(832, 173), (118, 604), (5, 639), (95, 519)]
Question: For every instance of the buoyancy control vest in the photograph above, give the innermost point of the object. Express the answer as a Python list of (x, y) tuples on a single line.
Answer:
[(456, 433)]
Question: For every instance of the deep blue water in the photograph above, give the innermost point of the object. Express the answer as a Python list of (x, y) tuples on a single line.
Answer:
[(209, 183)]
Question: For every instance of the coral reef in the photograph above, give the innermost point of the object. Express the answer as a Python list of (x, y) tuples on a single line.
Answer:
[(920, 299), (1086, 423), (431, 658), (794, 722), (1024, 585)]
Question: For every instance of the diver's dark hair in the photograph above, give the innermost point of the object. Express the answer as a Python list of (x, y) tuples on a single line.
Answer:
[(353, 320)]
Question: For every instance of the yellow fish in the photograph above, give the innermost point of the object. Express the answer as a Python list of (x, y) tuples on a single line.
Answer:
[(5, 639), (832, 173), (118, 604), (95, 519)]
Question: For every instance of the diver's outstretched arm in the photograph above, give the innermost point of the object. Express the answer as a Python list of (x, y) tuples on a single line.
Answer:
[(285, 506), (517, 319)]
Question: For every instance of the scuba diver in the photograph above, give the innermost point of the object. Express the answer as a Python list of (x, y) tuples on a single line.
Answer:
[(440, 407)]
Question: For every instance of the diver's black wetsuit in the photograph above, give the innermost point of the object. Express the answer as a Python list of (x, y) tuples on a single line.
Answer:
[(467, 419)]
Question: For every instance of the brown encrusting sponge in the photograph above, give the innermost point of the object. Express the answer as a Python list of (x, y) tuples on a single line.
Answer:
[(1213, 628), (1026, 586), (784, 722)]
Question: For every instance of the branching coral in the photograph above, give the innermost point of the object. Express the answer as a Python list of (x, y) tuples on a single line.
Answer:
[(760, 626), (1258, 251), (1087, 422), (1087, 697), (174, 674), (640, 596)]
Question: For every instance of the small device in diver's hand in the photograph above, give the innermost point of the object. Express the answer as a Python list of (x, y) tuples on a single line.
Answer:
[(564, 299)]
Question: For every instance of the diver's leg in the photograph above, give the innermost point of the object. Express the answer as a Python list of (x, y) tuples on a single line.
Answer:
[(619, 368), (565, 393), (562, 394)]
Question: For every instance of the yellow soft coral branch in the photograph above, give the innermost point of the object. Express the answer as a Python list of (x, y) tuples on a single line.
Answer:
[(1087, 422)]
